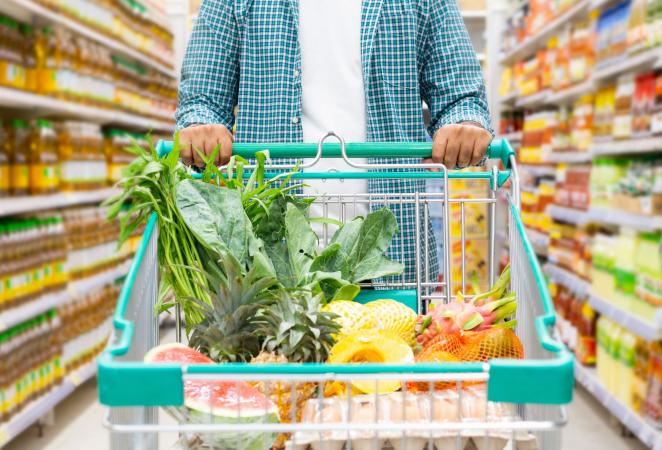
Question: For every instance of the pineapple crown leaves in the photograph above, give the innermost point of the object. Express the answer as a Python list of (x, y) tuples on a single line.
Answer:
[(227, 330), (294, 326)]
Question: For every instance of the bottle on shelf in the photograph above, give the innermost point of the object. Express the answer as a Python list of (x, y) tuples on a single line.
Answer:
[(12, 71), (5, 184), (19, 142), (44, 161)]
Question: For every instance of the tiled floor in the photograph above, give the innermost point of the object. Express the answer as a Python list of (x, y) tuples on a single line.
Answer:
[(78, 427)]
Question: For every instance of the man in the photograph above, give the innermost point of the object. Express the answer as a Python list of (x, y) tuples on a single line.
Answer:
[(297, 69)]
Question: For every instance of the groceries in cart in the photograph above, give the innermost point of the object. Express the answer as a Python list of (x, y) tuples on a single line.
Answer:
[(261, 292)]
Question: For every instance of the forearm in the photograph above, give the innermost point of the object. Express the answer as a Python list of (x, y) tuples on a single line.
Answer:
[(451, 77), (210, 73)]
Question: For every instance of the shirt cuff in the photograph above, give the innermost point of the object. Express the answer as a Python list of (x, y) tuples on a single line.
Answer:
[(200, 115), (464, 112)]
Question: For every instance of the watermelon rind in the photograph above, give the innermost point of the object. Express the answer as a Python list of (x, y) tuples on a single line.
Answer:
[(199, 413)]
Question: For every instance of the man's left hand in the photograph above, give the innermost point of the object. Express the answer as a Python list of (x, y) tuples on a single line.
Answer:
[(460, 145)]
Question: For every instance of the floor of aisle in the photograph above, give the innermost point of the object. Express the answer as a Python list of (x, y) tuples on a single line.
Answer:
[(78, 426)]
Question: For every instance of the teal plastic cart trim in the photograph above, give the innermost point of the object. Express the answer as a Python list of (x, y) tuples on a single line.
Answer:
[(550, 381), (498, 149), (406, 297)]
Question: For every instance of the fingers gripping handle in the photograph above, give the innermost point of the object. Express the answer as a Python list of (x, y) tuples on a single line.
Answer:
[(498, 149)]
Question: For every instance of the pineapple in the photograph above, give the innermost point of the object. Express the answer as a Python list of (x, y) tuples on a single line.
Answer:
[(352, 316), (227, 331), (293, 330), (394, 317)]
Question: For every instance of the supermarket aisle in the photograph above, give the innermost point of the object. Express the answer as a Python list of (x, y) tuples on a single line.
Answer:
[(78, 427)]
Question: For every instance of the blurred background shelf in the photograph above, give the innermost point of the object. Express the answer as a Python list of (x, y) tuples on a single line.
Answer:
[(649, 330), (21, 205)]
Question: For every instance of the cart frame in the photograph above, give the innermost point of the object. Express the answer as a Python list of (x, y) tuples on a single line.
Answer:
[(539, 384)]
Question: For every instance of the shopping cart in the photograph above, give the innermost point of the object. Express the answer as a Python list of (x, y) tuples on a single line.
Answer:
[(504, 401)]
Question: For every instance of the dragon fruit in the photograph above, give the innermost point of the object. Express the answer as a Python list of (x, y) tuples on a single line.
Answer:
[(479, 313)]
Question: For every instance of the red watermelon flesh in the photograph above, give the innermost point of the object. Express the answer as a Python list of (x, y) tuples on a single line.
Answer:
[(216, 401)]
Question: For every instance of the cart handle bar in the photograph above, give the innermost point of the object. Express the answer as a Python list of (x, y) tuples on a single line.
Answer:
[(498, 149)]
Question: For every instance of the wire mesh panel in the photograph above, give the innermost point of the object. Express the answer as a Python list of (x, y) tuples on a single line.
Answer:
[(530, 306), (146, 335)]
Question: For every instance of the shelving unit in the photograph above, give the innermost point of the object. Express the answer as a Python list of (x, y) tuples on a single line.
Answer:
[(26, 8), (532, 43), (48, 106), (615, 217), (568, 157), (539, 241), (568, 215), (41, 406), (649, 435), (649, 330), (21, 205), (627, 147), (23, 104), (567, 279)]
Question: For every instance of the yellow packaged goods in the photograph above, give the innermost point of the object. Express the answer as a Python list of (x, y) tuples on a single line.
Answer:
[(12, 71), (19, 141), (4, 163), (44, 164), (475, 220)]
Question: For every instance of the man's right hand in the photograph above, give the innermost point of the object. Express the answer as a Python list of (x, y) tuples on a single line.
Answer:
[(205, 138)]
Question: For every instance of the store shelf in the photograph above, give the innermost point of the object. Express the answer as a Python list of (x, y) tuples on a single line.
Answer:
[(41, 406), (46, 302), (638, 222), (538, 170), (43, 105), (568, 215), (478, 14), (20, 8), (534, 100), (626, 147), (20, 314), (22, 205), (568, 157), (649, 330), (640, 61), (568, 279), (539, 241), (81, 287), (510, 98), (647, 434), (570, 94), (533, 43), (513, 137)]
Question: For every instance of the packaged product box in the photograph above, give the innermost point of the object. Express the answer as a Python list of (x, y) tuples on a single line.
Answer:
[(476, 252), (475, 220)]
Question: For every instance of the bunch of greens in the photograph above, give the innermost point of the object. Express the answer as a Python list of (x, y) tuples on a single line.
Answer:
[(258, 221), (148, 186)]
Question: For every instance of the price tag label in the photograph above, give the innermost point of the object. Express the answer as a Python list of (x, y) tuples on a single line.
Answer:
[(75, 379), (3, 436)]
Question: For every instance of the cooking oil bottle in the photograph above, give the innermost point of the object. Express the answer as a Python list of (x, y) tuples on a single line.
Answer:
[(20, 157), (4, 162), (44, 164)]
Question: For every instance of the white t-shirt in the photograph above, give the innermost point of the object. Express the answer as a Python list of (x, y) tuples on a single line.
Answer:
[(333, 94)]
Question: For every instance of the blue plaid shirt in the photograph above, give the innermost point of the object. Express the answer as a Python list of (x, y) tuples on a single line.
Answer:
[(246, 53)]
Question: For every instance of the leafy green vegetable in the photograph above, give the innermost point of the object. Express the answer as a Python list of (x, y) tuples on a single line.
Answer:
[(357, 249), (148, 186), (216, 216)]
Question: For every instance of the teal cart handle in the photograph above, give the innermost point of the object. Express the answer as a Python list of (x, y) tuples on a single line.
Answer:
[(498, 149)]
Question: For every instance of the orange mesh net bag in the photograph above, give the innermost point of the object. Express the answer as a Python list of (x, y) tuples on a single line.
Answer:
[(442, 349), (490, 344)]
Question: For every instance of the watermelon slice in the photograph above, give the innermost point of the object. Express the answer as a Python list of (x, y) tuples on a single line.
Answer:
[(221, 402)]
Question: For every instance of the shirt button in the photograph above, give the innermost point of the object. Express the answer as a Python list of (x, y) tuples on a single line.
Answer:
[(296, 73), (295, 120)]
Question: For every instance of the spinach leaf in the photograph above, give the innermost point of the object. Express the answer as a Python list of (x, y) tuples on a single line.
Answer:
[(216, 217), (293, 256), (357, 249)]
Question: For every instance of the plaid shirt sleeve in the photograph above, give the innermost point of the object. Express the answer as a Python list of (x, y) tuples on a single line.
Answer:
[(210, 73), (451, 78)]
